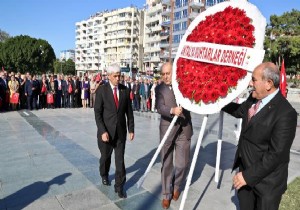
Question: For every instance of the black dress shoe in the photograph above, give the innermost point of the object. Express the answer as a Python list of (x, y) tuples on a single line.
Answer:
[(105, 181), (121, 194)]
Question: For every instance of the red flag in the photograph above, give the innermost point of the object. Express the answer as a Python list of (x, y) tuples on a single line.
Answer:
[(282, 84)]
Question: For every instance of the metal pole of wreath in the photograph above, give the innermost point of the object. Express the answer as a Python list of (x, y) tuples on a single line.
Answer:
[(192, 168), (219, 147), (141, 180)]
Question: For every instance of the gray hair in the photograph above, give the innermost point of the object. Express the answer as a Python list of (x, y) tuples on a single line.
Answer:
[(272, 72), (113, 68)]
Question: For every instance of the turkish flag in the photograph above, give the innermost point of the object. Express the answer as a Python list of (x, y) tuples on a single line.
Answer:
[(14, 98), (283, 84), (50, 98)]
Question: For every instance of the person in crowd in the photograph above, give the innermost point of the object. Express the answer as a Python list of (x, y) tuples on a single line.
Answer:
[(76, 91), (112, 108), (136, 95), (93, 87), (144, 94), (152, 91), (29, 93), (35, 91), (85, 86), (59, 91), (13, 86), (52, 90), (23, 99), (178, 141), (44, 87), (65, 94), (4, 92), (71, 90), (263, 153)]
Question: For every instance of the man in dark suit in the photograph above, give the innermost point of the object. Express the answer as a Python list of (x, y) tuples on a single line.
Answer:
[(179, 139), (112, 107), (263, 153)]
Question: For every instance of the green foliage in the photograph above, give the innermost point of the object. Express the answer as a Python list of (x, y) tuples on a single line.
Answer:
[(64, 67), (283, 40), (3, 36), (23, 53), (291, 198)]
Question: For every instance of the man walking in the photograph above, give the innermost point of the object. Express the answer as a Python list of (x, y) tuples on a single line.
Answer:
[(112, 107)]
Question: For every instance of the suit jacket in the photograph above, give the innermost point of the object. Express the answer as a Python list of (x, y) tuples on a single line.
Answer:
[(165, 100), (136, 89), (143, 92), (108, 117), (28, 87), (264, 145)]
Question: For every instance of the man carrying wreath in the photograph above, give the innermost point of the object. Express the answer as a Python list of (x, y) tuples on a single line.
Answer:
[(178, 141), (263, 153)]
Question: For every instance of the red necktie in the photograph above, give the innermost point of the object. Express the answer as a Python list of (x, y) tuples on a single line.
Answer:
[(116, 97), (252, 111)]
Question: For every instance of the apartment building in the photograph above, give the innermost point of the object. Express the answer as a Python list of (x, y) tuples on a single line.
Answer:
[(138, 40), (176, 18), (109, 37), (165, 24), (66, 55), (152, 36), (89, 45)]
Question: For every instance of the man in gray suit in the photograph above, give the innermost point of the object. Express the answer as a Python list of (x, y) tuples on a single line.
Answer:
[(179, 139)]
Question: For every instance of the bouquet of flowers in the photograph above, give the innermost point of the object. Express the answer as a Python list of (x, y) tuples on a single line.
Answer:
[(206, 82)]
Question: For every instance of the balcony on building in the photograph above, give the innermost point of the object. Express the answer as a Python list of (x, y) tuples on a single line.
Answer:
[(164, 55), (166, 22), (193, 15), (164, 44), (197, 4), (166, 2), (166, 12)]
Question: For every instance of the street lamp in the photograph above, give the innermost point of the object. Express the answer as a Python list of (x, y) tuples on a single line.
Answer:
[(41, 53)]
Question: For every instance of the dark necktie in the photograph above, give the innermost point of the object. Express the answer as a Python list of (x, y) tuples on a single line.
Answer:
[(116, 97), (252, 111)]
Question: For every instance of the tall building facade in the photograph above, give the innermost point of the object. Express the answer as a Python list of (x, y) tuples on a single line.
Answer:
[(66, 55), (152, 35), (109, 37), (140, 41), (166, 21)]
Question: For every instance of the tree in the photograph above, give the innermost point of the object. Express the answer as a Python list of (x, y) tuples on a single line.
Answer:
[(64, 67), (3, 36), (23, 53), (283, 40)]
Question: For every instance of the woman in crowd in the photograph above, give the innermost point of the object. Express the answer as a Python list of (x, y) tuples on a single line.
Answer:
[(13, 86), (93, 87), (85, 86), (51, 91)]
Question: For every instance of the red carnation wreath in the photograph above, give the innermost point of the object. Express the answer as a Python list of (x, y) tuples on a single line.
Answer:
[(203, 83)]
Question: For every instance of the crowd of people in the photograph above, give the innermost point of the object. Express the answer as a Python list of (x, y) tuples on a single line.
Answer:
[(26, 91), (267, 132)]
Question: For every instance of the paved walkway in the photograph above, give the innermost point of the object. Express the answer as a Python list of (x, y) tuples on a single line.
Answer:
[(49, 160)]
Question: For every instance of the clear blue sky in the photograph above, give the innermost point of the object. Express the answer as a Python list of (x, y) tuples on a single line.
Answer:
[(54, 20)]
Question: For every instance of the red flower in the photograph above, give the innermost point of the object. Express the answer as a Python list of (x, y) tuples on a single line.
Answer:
[(206, 82)]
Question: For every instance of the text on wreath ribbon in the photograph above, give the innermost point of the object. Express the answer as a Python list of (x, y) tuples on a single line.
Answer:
[(236, 56)]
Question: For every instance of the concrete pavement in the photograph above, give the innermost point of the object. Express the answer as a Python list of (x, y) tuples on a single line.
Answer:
[(49, 160)]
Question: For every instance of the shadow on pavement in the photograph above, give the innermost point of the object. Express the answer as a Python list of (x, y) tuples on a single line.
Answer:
[(32, 192)]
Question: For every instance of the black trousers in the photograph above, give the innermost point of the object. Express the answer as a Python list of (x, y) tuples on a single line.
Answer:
[(250, 199), (106, 149)]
